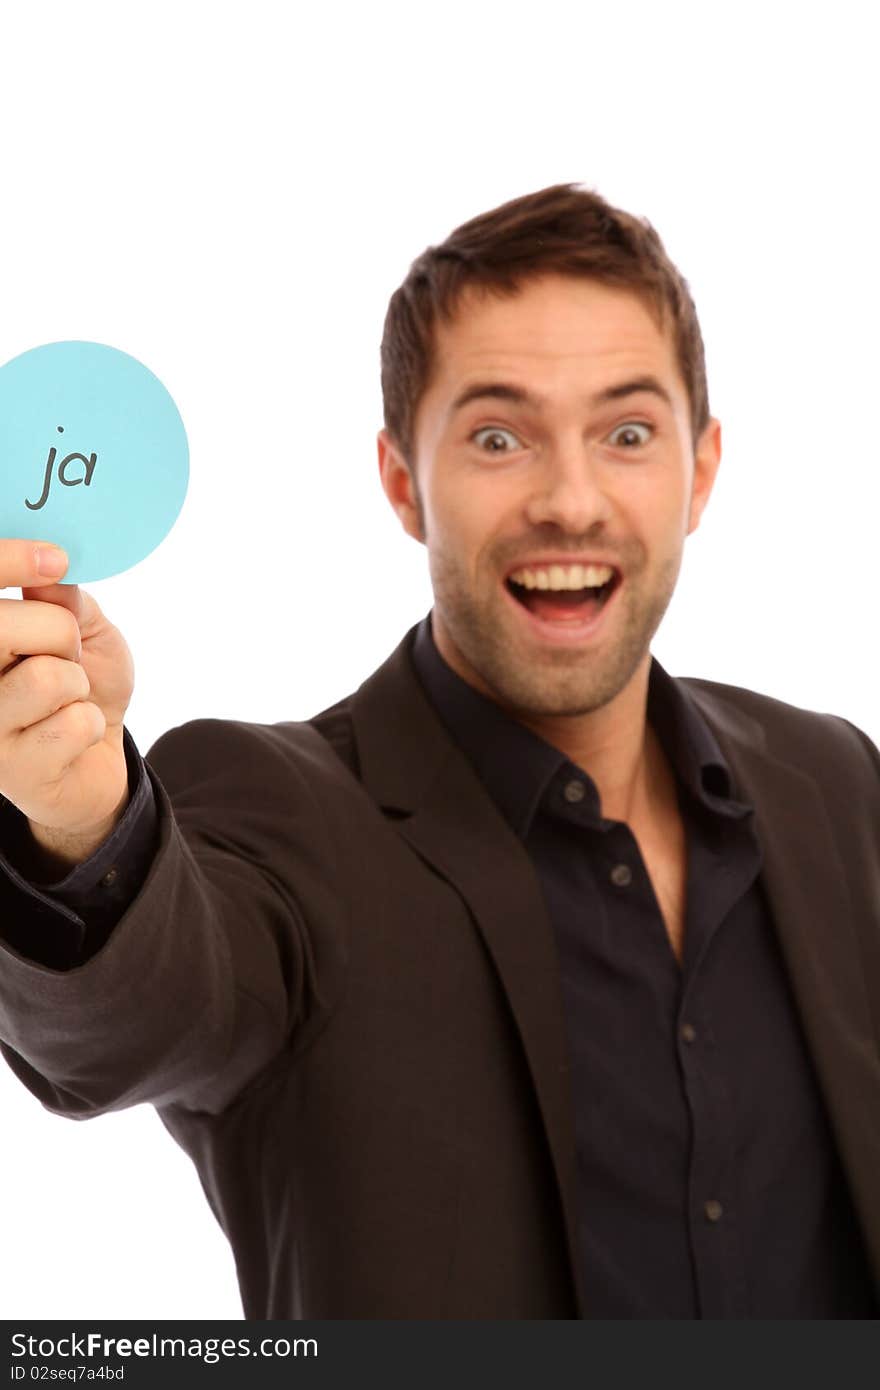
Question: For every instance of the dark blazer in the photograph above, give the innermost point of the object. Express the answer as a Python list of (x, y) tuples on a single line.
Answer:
[(339, 985)]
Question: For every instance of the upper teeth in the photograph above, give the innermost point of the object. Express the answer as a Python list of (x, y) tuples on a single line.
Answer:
[(563, 577)]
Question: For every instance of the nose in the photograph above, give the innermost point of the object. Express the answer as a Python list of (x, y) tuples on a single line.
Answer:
[(568, 491)]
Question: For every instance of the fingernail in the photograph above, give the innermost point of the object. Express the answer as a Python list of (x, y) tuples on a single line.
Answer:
[(52, 561)]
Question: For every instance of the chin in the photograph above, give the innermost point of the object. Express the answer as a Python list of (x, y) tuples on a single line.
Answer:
[(556, 683), (557, 699)]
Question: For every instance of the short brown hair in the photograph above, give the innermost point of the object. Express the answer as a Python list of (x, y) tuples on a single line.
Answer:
[(566, 229)]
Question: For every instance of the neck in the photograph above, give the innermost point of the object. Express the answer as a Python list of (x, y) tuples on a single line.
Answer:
[(616, 746)]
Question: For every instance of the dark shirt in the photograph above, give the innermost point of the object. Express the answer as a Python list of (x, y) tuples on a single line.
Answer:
[(708, 1181)]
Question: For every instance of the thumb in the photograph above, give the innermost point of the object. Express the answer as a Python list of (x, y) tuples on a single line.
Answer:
[(80, 603)]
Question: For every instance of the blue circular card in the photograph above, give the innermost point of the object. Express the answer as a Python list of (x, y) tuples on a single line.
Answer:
[(93, 456)]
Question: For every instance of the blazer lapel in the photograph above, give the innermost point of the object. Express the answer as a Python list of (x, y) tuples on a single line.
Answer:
[(807, 886), (412, 767)]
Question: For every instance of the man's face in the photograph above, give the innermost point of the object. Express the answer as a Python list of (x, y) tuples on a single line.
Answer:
[(554, 526)]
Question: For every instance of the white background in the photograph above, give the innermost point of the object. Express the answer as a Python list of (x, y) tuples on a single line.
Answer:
[(231, 193)]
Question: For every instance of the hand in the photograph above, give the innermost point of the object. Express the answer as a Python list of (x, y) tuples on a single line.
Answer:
[(66, 680)]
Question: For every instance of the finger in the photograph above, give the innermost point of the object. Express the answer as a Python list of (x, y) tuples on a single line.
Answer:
[(85, 608), (21, 561), (46, 749), (37, 689), (78, 601), (29, 627)]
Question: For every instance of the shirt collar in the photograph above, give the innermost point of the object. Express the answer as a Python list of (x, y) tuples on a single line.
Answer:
[(517, 766)]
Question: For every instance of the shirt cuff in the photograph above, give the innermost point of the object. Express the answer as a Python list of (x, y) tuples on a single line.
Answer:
[(64, 923)]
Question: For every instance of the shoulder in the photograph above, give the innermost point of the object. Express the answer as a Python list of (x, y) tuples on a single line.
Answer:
[(213, 749), (810, 738)]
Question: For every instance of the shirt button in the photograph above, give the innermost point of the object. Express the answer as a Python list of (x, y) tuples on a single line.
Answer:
[(574, 791), (688, 1033), (109, 878), (621, 874), (714, 1210)]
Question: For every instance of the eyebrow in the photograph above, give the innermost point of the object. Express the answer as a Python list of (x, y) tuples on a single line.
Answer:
[(507, 391)]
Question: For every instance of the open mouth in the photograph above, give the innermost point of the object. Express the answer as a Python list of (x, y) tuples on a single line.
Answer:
[(573, 602)]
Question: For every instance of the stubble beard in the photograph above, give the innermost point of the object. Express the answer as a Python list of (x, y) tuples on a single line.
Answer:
[(551, 681)]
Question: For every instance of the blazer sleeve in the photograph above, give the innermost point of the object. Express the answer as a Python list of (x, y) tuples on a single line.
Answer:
[(227, 954)]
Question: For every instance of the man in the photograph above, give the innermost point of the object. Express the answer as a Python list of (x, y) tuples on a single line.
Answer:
[(527, 981)]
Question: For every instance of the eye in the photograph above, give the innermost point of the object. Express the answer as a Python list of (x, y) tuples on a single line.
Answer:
[(494, 432), (630, 427)]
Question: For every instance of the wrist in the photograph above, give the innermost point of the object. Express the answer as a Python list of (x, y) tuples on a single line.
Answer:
[(53, 853)]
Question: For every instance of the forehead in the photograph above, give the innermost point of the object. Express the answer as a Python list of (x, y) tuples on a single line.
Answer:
[(556, 333)]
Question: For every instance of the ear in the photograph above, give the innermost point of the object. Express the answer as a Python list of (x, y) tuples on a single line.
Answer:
[(400, 487), (707, 458)]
